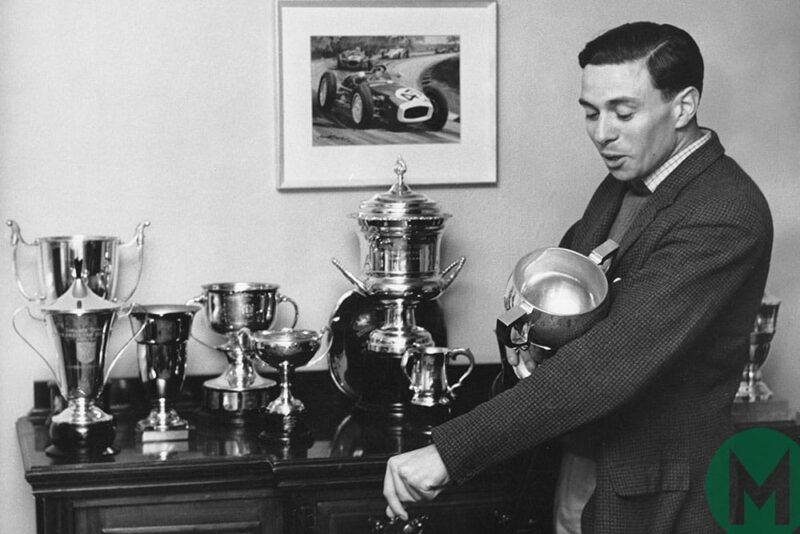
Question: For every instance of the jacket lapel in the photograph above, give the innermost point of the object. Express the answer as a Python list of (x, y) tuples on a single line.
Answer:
[(669, 189)]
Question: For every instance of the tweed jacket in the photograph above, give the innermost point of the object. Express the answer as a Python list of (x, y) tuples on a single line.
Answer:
[(653, 382)]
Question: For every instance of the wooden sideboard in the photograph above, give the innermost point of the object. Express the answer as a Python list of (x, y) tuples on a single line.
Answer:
[(225, 479)]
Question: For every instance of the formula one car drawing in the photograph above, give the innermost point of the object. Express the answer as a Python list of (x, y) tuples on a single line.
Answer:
[(377, 95), (353, 60)]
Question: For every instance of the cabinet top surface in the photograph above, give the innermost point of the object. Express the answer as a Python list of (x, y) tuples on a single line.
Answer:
[(342, 437)]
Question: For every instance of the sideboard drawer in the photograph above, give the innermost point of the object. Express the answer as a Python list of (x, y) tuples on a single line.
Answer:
[(245, 512)]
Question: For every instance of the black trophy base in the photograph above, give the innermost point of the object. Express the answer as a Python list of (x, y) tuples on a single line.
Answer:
[(82, 442), (286, 436), (234, 407)]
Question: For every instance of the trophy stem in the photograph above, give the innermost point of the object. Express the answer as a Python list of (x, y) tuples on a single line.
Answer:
[(399, 330), (286, 403), (752, 388)]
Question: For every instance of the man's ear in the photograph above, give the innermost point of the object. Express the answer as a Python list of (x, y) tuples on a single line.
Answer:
[(685, 106)]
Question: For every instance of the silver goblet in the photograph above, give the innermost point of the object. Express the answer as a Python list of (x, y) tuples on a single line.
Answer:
[(161, 350), (286, 350)]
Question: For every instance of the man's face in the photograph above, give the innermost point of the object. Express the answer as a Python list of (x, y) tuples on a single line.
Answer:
[(627, 118)]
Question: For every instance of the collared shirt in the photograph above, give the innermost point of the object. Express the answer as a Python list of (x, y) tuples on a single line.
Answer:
[(657, 176), (638, 190)]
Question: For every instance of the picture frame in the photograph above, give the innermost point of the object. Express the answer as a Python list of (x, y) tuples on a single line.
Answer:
[(434, 103)]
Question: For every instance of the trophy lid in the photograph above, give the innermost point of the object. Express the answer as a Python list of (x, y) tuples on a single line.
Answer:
[(80, 298), (400, 202)]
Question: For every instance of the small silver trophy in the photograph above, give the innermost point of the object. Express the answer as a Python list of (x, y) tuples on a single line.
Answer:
[(164, 331), (752, 387)]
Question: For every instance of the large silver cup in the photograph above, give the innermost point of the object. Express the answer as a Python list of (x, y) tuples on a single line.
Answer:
[(234, 309), (164, 331), (56, 258), (80, 328), (752, 387)]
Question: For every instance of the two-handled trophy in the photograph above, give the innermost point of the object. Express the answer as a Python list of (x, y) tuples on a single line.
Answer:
[(80, 324), (100, 257), (235, 309), (752, 387)]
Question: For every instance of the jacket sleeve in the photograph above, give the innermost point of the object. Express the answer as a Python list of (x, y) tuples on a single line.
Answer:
[(657, 312)]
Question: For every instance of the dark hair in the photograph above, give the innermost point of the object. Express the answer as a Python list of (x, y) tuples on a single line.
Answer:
[(672, 56)]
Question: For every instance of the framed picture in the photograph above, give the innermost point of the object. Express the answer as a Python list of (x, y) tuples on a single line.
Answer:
[(361, 83)]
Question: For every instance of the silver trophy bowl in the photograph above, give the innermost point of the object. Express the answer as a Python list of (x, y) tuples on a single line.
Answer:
[(100, 257)]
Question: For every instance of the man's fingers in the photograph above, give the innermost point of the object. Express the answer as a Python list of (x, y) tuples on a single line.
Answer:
[(394, 505), (513, 357)]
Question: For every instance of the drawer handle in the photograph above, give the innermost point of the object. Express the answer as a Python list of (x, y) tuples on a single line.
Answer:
[(417, 525)]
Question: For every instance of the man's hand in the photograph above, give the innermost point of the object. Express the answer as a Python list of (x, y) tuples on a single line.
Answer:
[(411, 477), (525, 360)]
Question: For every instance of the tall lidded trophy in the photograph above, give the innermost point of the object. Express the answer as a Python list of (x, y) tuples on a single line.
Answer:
[(752, 387), (400, 233), (80, 324), (235, 309), (56, 255)]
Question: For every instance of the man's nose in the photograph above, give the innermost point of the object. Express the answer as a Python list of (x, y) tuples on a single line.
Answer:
[(604, 130)]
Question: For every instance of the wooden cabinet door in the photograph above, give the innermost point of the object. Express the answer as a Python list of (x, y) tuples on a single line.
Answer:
[(220, 512)]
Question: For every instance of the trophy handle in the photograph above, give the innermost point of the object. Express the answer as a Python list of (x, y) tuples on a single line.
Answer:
[(410, 351), (284, 298), (116, 357), (324, 347), (138, 240), (16, 239), (455, 353), (510, 322), (200, 299), (360, 286), (56, 374), (450, 272)]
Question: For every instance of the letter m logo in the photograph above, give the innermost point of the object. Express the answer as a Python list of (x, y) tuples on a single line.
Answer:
[(775, 484)]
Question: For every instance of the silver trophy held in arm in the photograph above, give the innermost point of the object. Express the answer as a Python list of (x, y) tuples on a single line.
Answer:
[(553, 296), (101, 257), (234, 310), (80, 324), (162, 332), (752, 387)]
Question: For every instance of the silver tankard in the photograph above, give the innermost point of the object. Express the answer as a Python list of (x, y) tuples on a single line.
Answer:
[(99, 256), (426, 369)]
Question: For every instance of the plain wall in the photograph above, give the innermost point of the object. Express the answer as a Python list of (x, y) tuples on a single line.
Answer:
[(112, 112)]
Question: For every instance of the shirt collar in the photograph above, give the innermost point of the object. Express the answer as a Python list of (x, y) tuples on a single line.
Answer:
[(660, 174)]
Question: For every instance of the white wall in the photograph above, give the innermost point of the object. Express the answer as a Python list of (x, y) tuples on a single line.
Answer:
[(112, 112)]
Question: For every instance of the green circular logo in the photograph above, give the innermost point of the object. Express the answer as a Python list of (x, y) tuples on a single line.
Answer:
[(753, 483)]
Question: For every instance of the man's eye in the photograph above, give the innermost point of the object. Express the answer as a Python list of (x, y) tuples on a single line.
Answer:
[(591, 116), (624, 116)]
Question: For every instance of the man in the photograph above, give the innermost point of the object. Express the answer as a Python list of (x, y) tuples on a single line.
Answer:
[(648, 389)]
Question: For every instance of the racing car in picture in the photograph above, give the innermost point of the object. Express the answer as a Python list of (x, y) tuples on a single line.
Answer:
[(395, 53), (353, 59), (377, 95)]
